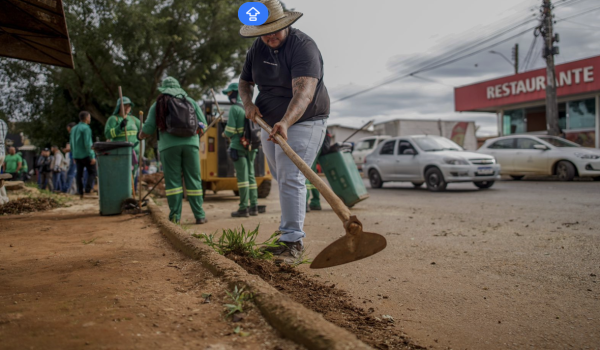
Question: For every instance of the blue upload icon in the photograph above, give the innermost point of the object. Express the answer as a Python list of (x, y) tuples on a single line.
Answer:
[(253, 13)]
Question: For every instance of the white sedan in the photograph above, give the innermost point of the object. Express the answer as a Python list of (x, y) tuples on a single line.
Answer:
[(522, 155), (433, 160)]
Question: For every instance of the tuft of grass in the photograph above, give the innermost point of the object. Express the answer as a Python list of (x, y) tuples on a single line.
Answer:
[(88, 242), (240, 242), (302, 259), (238, 297)]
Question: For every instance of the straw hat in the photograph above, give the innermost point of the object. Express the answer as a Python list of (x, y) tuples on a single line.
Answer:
[(278, 20)]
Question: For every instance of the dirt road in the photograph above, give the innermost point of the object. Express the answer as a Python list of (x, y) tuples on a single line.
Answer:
[(512, 267), (70, 279)]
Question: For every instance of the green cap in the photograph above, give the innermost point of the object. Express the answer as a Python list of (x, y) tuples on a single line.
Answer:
[(231, 87), (126, 101)]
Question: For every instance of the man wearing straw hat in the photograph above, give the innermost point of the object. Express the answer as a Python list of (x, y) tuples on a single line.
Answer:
[(287, 66)]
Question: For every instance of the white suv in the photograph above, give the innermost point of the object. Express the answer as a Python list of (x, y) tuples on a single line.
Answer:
[(364, 147)]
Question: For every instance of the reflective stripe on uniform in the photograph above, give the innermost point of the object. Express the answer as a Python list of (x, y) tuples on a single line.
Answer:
[(230, 129), (243, 184), (174, 191), (240, 130), (253, 187), (310, 187), (194, 192), (113, 133)]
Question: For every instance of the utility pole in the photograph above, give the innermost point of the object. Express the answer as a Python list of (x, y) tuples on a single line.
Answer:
[(549, 51), (515, 57)]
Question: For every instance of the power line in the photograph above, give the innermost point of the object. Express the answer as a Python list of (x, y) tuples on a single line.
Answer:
[(582, 24), (443, 61)]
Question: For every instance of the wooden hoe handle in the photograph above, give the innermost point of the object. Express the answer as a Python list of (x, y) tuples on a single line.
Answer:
[(336, 203)]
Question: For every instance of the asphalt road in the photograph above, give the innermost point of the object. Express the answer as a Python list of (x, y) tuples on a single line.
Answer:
[(511, 267)]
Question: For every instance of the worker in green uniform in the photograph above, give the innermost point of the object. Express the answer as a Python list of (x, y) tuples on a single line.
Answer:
[(179, 155), (315, 202), (23, 174), (243, 159), (124, 129), (13, 164)]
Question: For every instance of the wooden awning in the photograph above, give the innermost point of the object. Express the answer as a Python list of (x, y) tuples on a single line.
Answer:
[(35, 30)]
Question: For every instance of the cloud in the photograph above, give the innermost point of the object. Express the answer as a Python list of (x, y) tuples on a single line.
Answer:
[(413, 98)]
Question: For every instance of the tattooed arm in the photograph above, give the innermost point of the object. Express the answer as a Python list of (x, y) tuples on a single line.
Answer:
[(246, 91), (304, 91)]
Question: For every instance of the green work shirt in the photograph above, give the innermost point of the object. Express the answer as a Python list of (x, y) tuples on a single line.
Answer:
[(235, 126), (81, 141), (113, 130), (166, 140), (12, 163)]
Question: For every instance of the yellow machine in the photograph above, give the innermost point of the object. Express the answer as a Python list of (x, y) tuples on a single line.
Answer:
[(218, 172)]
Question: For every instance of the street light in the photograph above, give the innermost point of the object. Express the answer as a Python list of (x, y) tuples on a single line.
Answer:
[(507, 60)]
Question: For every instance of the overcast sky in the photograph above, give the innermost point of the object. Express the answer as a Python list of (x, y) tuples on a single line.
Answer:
[(364, 43)]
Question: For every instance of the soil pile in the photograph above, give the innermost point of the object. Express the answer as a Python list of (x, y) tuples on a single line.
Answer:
[(334, 304), (153, 179), (29, 205)]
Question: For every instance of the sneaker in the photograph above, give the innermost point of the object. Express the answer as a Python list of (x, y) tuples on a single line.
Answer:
[(254, 210), (201, 221), (241, 213), (315, 207), (285, 250)]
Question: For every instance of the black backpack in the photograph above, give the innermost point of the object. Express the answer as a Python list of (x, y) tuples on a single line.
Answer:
[(251, 137), (181, 117)]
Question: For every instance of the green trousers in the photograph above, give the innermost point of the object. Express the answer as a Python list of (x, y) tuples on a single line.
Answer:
[(184, 160), (244, 171), (310, 188)]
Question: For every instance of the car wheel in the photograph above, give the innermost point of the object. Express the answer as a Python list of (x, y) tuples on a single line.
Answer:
[(484, 184), (418, 184), (375, 179), (435, 180), (565, 171), (597, 178), (236, 193), (517, 177)]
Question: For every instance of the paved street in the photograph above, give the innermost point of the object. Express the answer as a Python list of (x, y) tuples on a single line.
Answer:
[(511, 267)]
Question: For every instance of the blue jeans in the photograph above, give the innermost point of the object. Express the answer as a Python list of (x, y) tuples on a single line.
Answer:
[(69, 178), (57, 181), (305, 139)]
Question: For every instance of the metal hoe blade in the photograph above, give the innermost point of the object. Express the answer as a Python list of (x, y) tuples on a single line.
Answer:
[(355, 245)]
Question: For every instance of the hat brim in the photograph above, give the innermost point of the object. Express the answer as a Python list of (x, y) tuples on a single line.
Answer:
[(287, 20)]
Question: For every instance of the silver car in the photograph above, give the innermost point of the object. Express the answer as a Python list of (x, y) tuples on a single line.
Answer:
[(522, 155), (433, 160)]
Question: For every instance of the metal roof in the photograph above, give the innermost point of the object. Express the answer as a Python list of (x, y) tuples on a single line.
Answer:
[(36, 31)]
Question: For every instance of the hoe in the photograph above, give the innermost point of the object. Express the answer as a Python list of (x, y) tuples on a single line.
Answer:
[(356, 244)]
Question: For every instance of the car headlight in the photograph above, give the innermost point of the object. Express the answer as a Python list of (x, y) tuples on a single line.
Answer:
[(455, 161), (587, 156)]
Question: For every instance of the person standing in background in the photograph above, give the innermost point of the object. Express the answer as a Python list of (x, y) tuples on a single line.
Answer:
[(243, 158), (13, 163), (124, 129), (44, 169), (83, 155), (179, 154), (3, 131), (57, 169), (72, 168)]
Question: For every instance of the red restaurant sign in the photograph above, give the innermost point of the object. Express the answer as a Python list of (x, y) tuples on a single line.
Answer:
[(572, 78)]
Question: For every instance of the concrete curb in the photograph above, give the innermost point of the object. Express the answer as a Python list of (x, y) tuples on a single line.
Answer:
[(293, 320)]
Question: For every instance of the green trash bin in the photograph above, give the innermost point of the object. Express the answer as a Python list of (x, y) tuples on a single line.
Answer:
[(343, 175), (114, 175)]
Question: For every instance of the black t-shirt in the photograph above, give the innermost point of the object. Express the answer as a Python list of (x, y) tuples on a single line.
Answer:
[(273, 70)]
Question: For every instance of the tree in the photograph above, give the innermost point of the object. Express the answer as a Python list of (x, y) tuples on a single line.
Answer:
[(133, 44)]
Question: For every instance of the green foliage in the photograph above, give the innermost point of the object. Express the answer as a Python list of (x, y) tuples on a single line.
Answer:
[(238, 297), (240, 242), (133, 44)]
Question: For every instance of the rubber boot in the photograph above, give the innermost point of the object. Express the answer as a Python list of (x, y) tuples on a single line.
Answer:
[(241, 213), (254, 210)]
